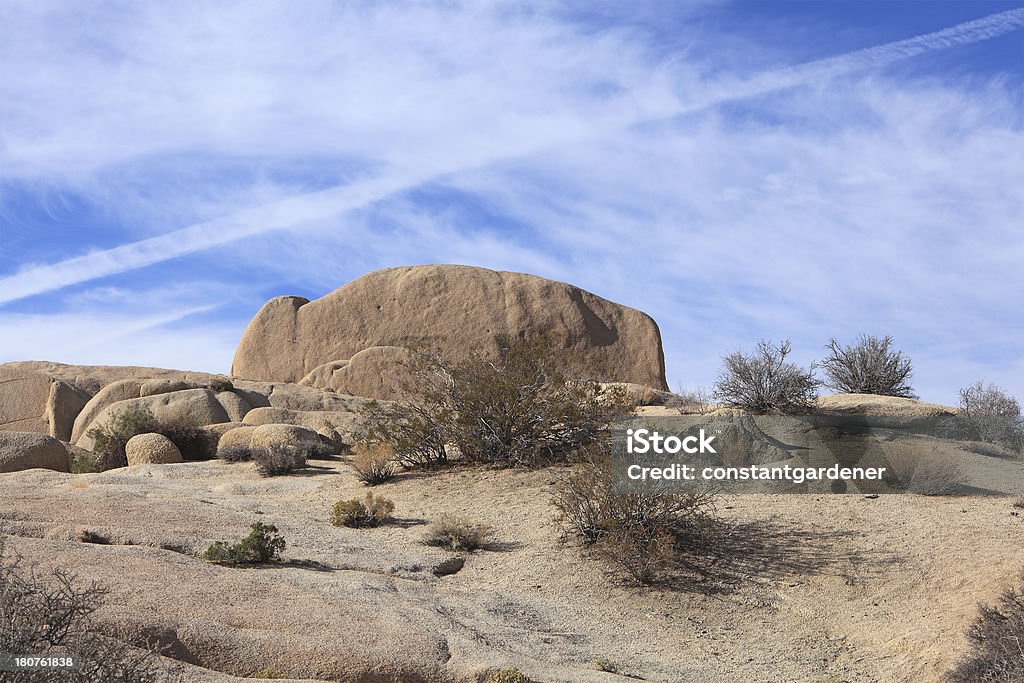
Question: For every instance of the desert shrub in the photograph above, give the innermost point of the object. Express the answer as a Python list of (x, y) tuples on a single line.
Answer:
[(369, 512), (510, 676), (922, 469), (643, 529), (219, 384), (1019, 503), (764, 382), (697, 401), (109, 439), (374, 463), (996, 642), (457, 533), (235, 453), (525, 407), (989, 414), (278, 459), (871, 366), (84, 463), (263, 544), (607, 665), (51, 615), (194, 442)]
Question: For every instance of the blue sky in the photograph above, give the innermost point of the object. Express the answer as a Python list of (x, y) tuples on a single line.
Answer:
[(737, 170)]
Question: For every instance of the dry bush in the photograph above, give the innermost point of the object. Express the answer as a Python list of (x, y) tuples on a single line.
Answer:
[(278, 459), (989, 414), (235, 453), (764, 382), (997, 642), (527, 407), (643, 529), (219, 384), (193, 442), (51, 615), (924, 470), (370, 512), (1019, 503), (509, 676), (698, 401), (263, 544), (871, 366), (607, 665), (374, 463), (457, 533)]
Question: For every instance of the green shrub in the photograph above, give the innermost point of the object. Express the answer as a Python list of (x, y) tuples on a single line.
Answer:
[(523, 406), (870, 366), (457, 533), (219, 384), (263, 544), (374, 463), (109, 439), (278, 459), (763, 382), (996, 642), (509, 676), (370, 512), (235, 453), (607, 665)]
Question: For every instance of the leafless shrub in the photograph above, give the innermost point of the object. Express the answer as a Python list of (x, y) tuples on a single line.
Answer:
[(990, 414), (369, 512), (924, 470), (374, 463), (235, 453), (694, 402), (457, 533), (997, 642), (642, 530), (764, 382), (526, 408), (871, 366), (51, 615), (278, 459)]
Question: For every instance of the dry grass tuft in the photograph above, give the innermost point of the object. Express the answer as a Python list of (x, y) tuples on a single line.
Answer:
[(374, 463), (457, 533)]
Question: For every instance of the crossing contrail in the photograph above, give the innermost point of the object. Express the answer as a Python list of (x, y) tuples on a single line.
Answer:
[(304, 208)]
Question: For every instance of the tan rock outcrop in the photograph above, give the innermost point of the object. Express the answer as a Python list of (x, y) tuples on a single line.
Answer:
[(199, 406), (33, 401), (458, 308), (28, 450), (155, 449)]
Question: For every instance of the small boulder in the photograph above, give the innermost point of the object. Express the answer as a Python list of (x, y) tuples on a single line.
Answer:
[(28, 450), (155, 449), (265, 436), (239, 436)]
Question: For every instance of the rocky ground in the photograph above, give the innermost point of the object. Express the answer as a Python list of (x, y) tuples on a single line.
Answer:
[(818, 588)]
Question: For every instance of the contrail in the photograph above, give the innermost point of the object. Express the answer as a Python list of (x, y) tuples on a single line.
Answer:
[(299, 209)]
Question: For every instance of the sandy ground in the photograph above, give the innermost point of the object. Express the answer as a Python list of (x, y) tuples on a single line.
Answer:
[(816, 588)]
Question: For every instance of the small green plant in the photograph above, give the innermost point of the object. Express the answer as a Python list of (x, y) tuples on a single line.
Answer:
[(267, 673), (457, 533), (219, 384), (110, 438), (510, 676), (278, 459), (235, 453), (370, 512), (607, 665), (374, 463), (263, 544)]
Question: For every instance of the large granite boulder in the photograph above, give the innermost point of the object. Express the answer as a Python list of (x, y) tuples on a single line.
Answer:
[(458, 308), (28, 450)]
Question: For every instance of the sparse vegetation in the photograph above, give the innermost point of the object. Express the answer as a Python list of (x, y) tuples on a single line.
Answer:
[(278, 459), (764, 382), (219, 384), (642, 529), (457, 533), (923, 469), (871, 366), (193, 442), (371, 511), (374, 463), (607, 665), (52, 614), (989, 414), (698, 401), (525, 408), (510, 676), (235, 453), (263, 544), (109, 439), (997, 642)]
